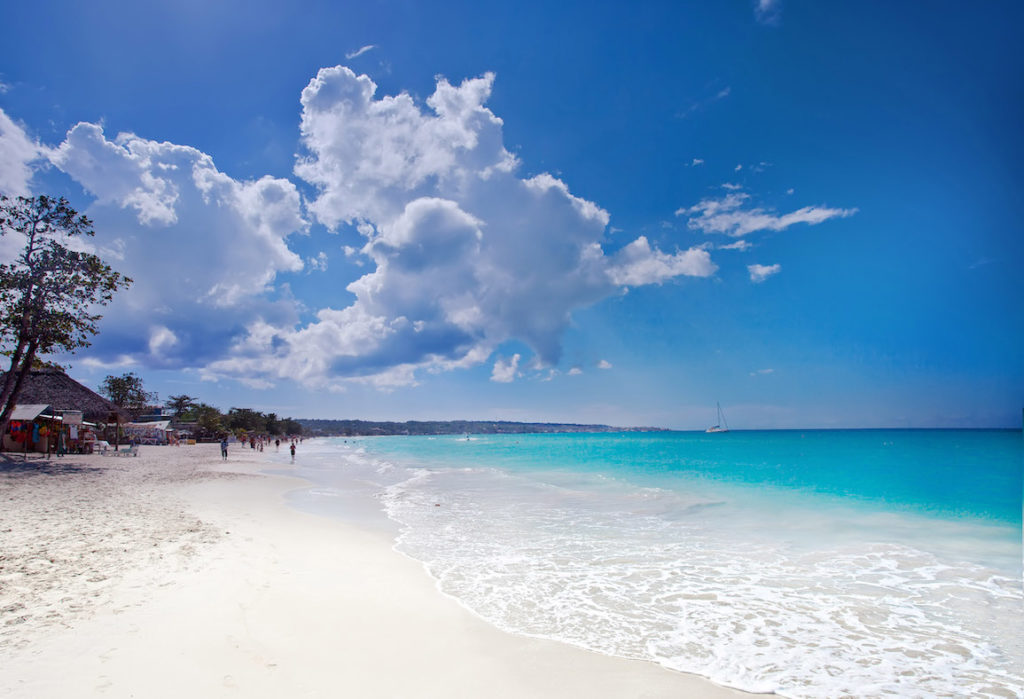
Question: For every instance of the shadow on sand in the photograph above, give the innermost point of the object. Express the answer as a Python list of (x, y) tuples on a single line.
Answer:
[(15, 464)]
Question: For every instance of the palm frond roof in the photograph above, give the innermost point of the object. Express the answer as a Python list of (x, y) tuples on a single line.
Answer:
[(61, 392)]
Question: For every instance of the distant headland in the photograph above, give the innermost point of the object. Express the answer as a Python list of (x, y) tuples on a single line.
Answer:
[(355, 428)]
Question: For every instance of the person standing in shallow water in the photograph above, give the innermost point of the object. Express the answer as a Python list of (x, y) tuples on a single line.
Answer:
[(224, 448), (292, 448)]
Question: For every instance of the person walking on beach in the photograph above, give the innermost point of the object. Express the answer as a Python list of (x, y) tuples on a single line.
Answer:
[(293, 452), (224, 448)]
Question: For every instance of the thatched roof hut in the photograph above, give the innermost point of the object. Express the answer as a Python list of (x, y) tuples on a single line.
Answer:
[(61, 392)]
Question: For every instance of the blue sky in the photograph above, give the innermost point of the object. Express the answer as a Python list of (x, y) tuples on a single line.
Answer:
[(586, 212)]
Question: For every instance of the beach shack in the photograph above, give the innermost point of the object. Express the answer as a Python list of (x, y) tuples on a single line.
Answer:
[(69, 409), (153, 432), (33, 427)]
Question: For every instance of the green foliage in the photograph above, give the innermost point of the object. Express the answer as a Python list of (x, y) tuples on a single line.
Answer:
[(181, 404), (49, 292), (241, 422), (127, 391), (254, 422), (290, 426), (208, 419)]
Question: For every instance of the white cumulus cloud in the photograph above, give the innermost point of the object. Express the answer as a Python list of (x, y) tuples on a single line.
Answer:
[(17, 153), (161, 339), (604, 364), (466, 255), (638, 264), (758, 273), (505, 370), (203, 248), (462, 254)]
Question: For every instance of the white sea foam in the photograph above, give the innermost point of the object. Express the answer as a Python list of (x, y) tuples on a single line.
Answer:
[(752, 588), (700, 584)]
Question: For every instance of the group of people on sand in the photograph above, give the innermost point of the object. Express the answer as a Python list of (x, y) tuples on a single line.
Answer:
[(256, 442)]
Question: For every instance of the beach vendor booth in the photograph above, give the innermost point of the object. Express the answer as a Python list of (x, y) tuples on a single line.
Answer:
[(34, 427), (66, 408), (156, 432), (79, 436)]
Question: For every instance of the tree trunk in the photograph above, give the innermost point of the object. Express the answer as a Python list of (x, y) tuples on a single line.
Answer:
[(19, 376), (11, 376), (9, 393)]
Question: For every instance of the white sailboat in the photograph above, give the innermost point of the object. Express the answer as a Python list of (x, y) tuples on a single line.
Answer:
[(722, 425)]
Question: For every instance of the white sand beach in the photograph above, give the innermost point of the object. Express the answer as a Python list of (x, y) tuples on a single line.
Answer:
[(174, 574)]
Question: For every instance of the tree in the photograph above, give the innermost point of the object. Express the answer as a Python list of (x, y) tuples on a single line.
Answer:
[(127, 391), (208, 419), (48, 292), (181, 404), (246, 419), (291, 427)]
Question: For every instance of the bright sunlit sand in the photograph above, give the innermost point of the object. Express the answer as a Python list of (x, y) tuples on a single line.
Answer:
[(173, 575)]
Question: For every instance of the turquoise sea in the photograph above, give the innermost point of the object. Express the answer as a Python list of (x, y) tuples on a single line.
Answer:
[(809, 564)]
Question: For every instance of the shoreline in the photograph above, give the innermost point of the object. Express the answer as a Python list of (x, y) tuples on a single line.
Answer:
[(222, 588)]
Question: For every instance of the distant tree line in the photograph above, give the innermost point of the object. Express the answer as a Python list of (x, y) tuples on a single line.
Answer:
[(351, 428), (205, 421)]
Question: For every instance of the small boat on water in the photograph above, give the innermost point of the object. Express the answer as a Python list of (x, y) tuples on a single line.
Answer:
[(721, 425)]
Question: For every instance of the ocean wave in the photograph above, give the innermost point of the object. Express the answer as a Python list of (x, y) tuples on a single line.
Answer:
[(671, 585), (759, 588)]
